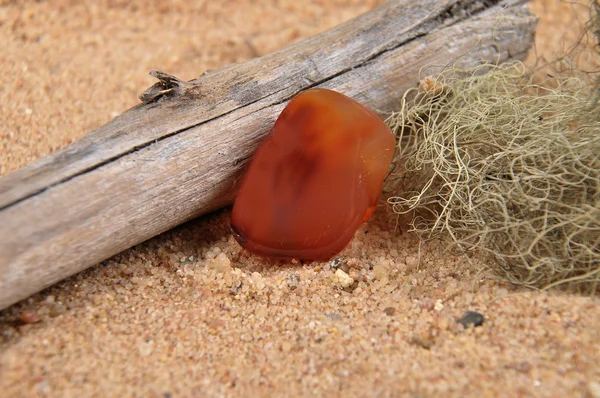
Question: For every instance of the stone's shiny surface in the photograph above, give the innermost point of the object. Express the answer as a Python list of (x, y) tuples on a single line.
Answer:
[(314, 179)]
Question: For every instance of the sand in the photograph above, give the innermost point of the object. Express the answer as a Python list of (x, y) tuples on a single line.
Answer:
[(189, 313)]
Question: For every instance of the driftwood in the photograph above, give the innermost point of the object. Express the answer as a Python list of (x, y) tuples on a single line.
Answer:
[(178, 154)]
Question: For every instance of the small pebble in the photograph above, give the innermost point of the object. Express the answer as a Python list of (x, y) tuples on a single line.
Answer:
[(29, 316), (389, 311), (343, 279), (292, 281), (380, 272), (56, 310), (336, 262), (222, 263), (352, 287), (471, 318), (235, 289), (345, 267), (427, 304), (257, 280), (423, 341)]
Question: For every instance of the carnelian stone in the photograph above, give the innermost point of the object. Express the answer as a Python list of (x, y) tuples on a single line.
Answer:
[(314, 179)]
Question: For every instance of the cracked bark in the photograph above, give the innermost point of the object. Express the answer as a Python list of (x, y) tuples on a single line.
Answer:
[(178, 154)]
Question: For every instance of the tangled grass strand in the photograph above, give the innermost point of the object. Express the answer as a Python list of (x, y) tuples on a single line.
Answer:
[(505, 167)]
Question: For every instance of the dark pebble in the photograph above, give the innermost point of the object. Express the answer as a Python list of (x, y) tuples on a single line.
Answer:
[(389, 311), (235, 289), (292, 281), (336, 262), (471, 318)]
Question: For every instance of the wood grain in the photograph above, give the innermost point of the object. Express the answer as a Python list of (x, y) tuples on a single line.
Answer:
[(178, 154)]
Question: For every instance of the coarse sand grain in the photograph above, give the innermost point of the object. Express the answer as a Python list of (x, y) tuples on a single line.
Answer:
[(189, 313)]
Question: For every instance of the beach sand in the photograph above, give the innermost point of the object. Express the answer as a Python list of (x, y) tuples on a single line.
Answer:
[(190, 313)]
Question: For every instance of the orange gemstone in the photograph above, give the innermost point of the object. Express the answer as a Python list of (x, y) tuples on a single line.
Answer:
[(314, 179)]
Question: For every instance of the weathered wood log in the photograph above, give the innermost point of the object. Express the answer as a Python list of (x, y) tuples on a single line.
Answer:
[(178, 154)]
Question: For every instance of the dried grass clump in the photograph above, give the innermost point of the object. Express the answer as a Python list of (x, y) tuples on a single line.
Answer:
[(507, 168)]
